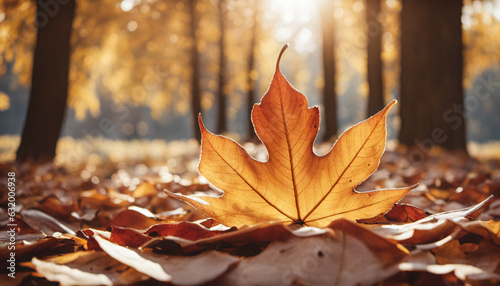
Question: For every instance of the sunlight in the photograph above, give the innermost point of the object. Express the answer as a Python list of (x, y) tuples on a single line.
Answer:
[(184, 149), (292, 20), (127, 5), (496, 10)]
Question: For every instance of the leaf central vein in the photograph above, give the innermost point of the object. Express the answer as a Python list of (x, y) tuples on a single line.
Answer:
[(290, 155)]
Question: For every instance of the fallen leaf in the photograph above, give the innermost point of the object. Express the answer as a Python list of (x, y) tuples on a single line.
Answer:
[(186, 230), (294, 185), (128, 237), (464, 272), (134, 218), (53, 206), (405, 213), (87, 268), (125, 236), (376, 243), (179, 270), (260, 234), (331, 258), (144, 189), (111, 199), (487, 229), (429, 229), (25, 249), (483, 255), (41, 221)]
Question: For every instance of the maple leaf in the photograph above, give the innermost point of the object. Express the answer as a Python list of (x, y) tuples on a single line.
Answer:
[(294, 185)]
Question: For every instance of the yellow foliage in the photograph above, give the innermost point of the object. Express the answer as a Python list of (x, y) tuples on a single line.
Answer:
[(4, 101), (142, 56), (481, 39)]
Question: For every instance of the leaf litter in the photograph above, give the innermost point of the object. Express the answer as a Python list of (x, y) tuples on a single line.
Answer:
[(112, 224)]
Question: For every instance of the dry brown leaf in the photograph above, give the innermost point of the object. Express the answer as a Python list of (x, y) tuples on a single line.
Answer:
[(186, 230), (405, 213), (43, 222), (192, 270), (487, 229), (144, 189), (260, 234), (333, 258), (294, 185), (135, 218), (464, 272), (26, 249), (128, 237), (483, 255), (53, 206), (87, 268), (426, 230), (111, 199)]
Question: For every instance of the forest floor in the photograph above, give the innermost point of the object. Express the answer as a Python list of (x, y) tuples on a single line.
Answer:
[(92, 219)]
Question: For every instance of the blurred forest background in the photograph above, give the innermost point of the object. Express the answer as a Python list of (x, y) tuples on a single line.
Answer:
[(141, 70)]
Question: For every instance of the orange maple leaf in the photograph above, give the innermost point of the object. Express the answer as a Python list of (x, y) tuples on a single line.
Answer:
[(294, 185)]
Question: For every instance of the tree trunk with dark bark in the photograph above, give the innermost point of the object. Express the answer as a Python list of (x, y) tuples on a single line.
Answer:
[(221, 96), (374, 59), (49, 84), (196, 73), (329, 95), (431, 76), (251, 75)]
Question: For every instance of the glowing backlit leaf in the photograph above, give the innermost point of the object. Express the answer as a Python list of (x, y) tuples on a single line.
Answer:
[(295, 185)]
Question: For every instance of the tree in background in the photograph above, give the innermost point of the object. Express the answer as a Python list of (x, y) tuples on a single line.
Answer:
[(431, 75), (374, 60), (329, 95), (140, 55), (196, 73), (49, 86), (221, 96), (251, 73)]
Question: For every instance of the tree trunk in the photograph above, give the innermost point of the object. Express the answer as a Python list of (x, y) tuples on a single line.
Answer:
[(431, 76), (251, 75), (195, 66), (49, 84), (374, 60), (221, 96), (329, 95)]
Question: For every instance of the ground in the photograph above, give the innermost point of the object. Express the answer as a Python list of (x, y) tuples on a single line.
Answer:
[(108, 217)]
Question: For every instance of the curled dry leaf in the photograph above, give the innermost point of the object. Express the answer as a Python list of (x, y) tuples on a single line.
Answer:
[(405, 213), (134, 218), (429, 229), (260, 234), (464, 272), (185, 230), (182, 230), (128, 237), (53, 206), (26, 249), (87, 268), (144, 189), (294, 185), (192, 270), (483, 255), (487, 229), (43, 222)]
